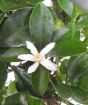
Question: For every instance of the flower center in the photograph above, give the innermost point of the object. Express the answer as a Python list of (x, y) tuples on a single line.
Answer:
[(37, 57)]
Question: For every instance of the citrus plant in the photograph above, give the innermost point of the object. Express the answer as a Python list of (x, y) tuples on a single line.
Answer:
[(48, 45)]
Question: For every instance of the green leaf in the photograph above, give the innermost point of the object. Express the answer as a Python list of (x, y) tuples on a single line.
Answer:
[(41, 25), (82, 82), (69, 44), (1, 17), (78, 71), (59, 33), (11, 88), (85, 33), (77, 12), (12, 53), (78, 66), (79, 95), (12, 5), (83, 21), (35, 1), (23, 80), (67, 6), (16, 99), (23, 98), (40, 79), (64, 91), (63, 66), (15, 30), (3, 74), (31, 100)]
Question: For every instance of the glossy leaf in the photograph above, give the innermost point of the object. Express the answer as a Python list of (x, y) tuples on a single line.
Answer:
[(11, 54), (16, 99), (69, 45), (77, 66), (41, 25), (23, 80), (15, 29), (64, 91), (79, 95), (78, 71), (23, 98), (40, 79), (67, 6), (31, 100)]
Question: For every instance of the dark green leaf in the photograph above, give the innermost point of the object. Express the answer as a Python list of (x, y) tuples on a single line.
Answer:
[(31, 100), (1, 17), (69, 45), (64, 91), (16, 99), (40, 80), (78, 71), (23, 98), (82, 82), (41, 25), (15, 30), (23, 80), (79, 95), (11, 54), (78, 66)]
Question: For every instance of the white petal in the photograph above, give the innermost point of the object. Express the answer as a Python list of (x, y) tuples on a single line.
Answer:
[(31, 47), (33, 67), (47, 49), (15, 63), (26, 57), (52, 72), (22, 62), (49, 65)]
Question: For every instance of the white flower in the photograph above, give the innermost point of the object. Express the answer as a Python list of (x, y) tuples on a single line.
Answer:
[(38, 58)]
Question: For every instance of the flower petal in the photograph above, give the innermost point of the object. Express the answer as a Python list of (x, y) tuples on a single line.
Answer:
[(26, 57), (31, 47), (47, 49), (15, 63), (33, 67), (49, 65)]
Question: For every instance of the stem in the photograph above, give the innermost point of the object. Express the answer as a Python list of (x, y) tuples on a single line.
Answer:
[(51, 100)]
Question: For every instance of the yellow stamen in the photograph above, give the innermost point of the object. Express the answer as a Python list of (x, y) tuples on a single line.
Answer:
[(37, 57)]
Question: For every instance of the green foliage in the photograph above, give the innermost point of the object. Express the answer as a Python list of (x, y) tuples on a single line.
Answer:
[(67, 6), (15, 29), (40, 81), (41, 21), (31, 20), (3, 73), (12, 53)]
